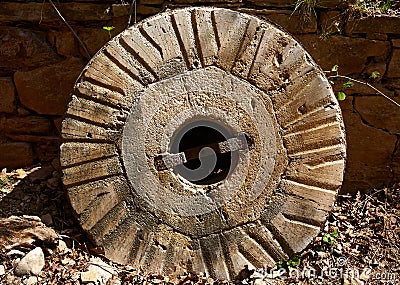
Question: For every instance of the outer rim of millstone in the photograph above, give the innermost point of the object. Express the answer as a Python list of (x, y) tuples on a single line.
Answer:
[(94, 174)]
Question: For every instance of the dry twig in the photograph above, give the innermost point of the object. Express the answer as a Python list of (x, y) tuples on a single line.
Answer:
[(72, 30)]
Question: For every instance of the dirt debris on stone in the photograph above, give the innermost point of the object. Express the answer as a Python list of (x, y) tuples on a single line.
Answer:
[(359, 243)]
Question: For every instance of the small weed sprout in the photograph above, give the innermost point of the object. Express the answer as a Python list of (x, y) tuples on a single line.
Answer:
[(6, 181), (330, 237), (290, 263), (109, 29)]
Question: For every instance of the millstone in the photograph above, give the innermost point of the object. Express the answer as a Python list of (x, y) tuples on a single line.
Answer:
[(202, 139)]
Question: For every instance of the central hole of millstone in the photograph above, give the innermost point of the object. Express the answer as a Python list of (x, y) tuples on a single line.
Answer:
[(201, 138)]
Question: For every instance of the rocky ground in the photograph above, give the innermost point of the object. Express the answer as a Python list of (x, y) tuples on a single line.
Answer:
[(359, 244)]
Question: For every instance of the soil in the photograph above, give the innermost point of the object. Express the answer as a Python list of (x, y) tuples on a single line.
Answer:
[(359, 243)]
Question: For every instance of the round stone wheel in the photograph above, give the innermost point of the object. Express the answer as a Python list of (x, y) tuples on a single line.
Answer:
[(202, 139)]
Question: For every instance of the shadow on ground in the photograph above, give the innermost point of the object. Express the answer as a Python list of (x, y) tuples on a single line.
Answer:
[(38, 192)]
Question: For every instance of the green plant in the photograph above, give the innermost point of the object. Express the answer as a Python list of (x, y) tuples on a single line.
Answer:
[(375, 74), (306, 8), (290, 263), (372, 6), (329, 238), (6, 181), (109, 29), (341, 95)]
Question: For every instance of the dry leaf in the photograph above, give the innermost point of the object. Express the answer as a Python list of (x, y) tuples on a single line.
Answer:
[(21, 174)]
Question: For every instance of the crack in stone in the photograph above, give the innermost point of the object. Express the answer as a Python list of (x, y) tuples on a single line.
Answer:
[(365, 121), (396, 145)]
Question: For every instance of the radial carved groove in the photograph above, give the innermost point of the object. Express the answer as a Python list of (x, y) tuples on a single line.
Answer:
[(202, 68)]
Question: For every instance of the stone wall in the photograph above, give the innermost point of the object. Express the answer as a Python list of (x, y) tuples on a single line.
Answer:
[(40, 60)]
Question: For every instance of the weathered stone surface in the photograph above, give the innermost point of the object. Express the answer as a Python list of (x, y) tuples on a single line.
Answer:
[(22, 231), (180, 70), (201, 1), (33, 138), (382, 24), (44, 12), (273, 3), (294, 22), (369, 152), (394, 84), (119, 10), (85, 152), (379, 67), (25, 125), (351, 54), (379, 113), (146, 10), (46, 90), (7, 95), (23, 49), (142, 9), (97, 272), (151, 2), (394, 65), (16, 154), (94, 39), (377, 36), (292, 3), (396, 43), (92, 170), (31, 263), (64, 42)]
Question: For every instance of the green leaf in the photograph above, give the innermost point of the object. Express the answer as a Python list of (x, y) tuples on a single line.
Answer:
[(329, 238), (109, 28), (375, 74), (335, 67), (335, 233), (341, 95), (295, 260), (279, 264), (348, 84)]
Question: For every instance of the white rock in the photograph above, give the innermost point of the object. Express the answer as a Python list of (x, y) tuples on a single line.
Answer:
[(99, 268), (89, 276), (2, 270), (32, 280), (32, 263)]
